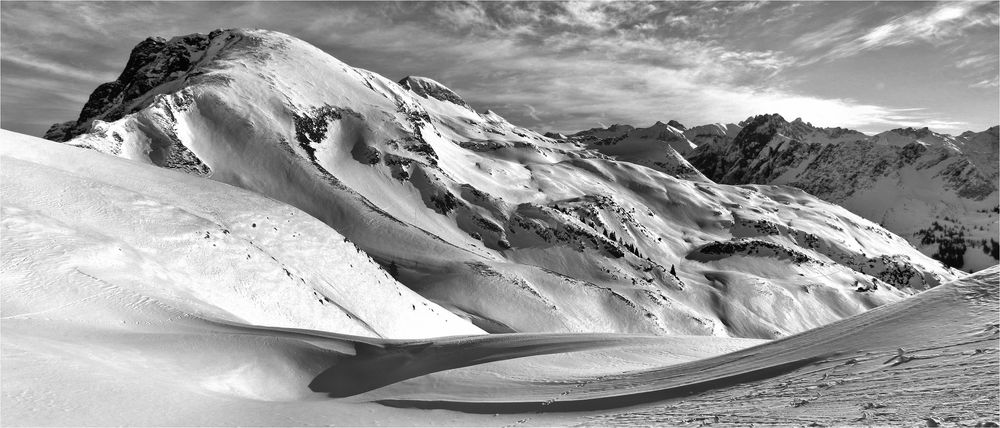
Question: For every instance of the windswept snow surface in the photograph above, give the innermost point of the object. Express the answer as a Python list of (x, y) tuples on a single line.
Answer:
[(511, 230)]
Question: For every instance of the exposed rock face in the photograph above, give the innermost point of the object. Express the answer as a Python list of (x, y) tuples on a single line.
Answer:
[(152, 63)]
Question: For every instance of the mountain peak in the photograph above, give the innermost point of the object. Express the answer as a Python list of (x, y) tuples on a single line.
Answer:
[(430, 88), (762, 118), (765, 124), (911, 131), (798, 121), (672, 123), (152, 63)]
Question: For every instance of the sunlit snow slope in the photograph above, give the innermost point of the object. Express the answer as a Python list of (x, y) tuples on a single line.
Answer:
[(507, 228), (82, 227)]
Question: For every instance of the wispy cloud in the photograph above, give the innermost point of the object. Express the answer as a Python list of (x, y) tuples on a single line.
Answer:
[(944, 22), (985, 84), (976, 61), (532, 112), (57, 69), (835, 33)]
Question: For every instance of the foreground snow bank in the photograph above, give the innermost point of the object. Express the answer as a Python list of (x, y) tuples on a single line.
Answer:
[(932, 356)]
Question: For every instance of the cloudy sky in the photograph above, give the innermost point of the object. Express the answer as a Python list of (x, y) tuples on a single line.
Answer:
[(567, 66)]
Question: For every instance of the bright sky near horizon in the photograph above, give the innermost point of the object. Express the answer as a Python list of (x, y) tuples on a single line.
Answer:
[(567, 66)]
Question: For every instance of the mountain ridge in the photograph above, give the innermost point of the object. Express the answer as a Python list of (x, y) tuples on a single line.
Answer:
[(841, 165), (907, 179)]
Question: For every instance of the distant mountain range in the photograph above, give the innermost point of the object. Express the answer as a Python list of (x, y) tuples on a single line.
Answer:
[(936, 190), (615, 230)]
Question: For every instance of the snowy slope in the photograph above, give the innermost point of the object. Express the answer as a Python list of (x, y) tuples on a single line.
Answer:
[(509, 229), (112, 353), (98, 227), (941, 344), (937, 191)]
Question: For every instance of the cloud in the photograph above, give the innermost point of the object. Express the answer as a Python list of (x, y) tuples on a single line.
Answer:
[(37, 64), (976, 61), (945, 22), (532, 112), (986, 83), (627, 76), (462, 15), (832, 34)]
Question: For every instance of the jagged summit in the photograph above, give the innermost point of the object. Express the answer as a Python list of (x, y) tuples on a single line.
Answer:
[(427, 87), (765, 124), (153, 63), (916, 132), (671, 126), (672, 123)]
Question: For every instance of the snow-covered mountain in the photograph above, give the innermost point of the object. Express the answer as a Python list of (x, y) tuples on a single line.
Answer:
[(660, 147), (507, 228), (938, 191)]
